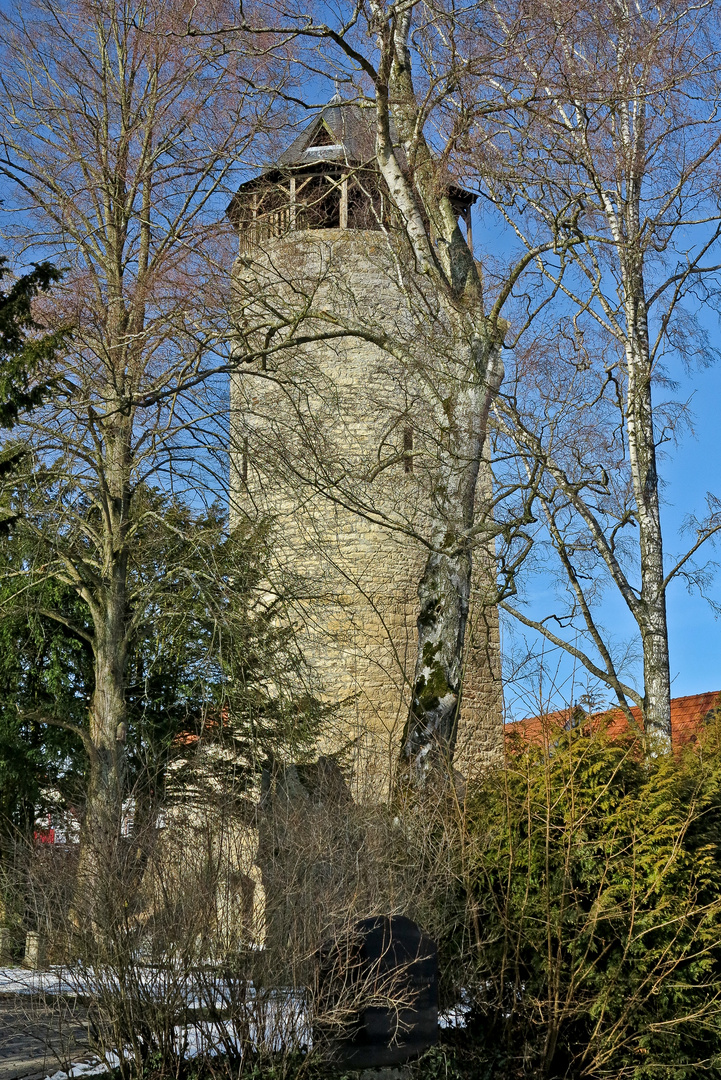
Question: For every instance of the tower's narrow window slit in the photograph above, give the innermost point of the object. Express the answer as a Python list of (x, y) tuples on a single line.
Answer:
[(244, 461), (408, 449)]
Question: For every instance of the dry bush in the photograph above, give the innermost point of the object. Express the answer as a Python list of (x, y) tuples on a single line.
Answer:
[(205, 935)]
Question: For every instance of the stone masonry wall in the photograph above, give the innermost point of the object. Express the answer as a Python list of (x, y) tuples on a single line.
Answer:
[(316, 443)]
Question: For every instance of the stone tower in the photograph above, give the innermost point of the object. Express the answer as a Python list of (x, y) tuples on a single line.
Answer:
[(332, 435)]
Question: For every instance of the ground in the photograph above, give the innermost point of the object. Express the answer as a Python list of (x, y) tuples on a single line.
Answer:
[(37, 1037)]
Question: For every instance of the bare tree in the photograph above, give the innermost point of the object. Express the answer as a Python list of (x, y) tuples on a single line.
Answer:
[(609, 144), (117, 136)]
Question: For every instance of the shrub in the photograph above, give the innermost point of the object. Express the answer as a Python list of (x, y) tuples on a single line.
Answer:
[(593, 882)]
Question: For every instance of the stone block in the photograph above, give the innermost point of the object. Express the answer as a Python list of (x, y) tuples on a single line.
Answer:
[(34, 950), (339, 404)]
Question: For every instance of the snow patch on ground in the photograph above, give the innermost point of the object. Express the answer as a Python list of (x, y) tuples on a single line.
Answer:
[(89, 1068), (275, 1019), (17, 980)]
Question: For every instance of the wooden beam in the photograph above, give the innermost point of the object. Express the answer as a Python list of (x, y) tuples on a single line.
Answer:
[(344, 203)]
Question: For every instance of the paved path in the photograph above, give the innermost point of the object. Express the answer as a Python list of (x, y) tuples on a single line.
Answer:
[(39, 1037)]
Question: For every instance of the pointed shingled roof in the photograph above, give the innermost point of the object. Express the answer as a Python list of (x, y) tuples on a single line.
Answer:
[(351, 126)]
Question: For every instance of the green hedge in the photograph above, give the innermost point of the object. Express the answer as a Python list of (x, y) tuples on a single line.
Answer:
[(592, 877)]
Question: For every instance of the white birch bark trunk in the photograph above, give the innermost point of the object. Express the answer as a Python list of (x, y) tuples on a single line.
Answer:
[(640, 428), (444, 590), (474, 367), (642, 457)]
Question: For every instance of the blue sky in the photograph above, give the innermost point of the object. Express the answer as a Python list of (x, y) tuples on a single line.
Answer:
[(690, 471)]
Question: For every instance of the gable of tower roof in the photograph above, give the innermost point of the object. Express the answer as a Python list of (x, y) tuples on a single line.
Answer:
[(322, 136), (350, 125)]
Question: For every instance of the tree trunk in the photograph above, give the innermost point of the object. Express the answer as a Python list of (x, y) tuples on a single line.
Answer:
[(444, 589), (106, 781), (107, 716), (654, 631), (107, 725), (642, 456)]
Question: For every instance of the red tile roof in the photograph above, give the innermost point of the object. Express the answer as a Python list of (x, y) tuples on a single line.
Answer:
[(688, 715), (191, 738)]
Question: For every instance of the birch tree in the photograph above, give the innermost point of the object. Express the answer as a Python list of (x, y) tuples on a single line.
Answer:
[(611, 139), (441, 253)]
